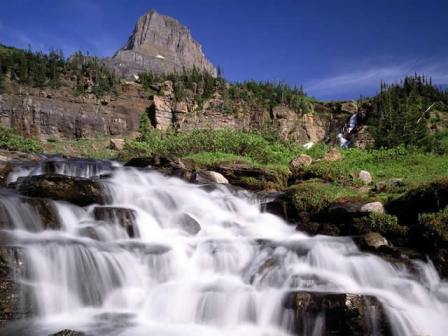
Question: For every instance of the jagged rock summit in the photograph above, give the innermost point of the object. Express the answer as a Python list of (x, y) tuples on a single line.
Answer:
[(160, 44)]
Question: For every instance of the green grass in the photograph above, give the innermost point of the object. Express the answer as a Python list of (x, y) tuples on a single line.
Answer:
[(217, 146), (88, 148), (314, 195), (10, 140), (412, 165)]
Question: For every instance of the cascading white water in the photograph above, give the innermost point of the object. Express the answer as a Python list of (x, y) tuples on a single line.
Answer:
[(92, 276)]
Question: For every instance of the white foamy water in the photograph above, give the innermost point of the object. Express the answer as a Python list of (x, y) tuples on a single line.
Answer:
[(228, 279)]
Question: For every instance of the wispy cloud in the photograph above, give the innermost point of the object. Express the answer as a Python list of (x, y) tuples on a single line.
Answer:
[(367, 79)]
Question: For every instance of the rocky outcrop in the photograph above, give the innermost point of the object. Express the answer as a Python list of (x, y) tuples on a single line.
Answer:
[(76, 190), (66, 116), (160, 44), (341, 314)]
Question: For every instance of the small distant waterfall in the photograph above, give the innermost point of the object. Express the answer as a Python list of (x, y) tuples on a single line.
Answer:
[(170, 258)]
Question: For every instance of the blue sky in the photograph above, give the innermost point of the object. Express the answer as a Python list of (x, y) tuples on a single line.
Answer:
[(337, 49)]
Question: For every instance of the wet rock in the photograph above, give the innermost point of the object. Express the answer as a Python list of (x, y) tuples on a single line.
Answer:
[(68, 332), (333, 155), (166, 164), (365, 177), (189, 224), (117, 144), (302, 160), (88, 232), (276, 204), (79, 191), (15, 297), (211, 177), (339, 314), (46, 211), (121, 216)]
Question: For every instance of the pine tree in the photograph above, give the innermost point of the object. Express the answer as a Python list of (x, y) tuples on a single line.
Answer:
[(144, 127)]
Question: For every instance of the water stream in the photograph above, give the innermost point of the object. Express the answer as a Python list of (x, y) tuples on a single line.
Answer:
[(228, 279)]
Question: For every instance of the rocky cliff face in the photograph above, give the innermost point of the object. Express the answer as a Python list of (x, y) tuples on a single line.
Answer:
[(159, 44), (58, 114), (320, 124)]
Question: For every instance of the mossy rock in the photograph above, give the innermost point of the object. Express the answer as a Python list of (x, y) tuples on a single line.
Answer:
[(253, 178), (427, 198), (385, 224), (311, 196)]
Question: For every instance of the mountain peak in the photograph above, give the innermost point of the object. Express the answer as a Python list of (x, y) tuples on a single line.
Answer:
[(160, 44)]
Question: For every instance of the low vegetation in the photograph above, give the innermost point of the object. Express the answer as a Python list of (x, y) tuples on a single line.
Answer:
[(215, 146), (10, 140), (413, 165)]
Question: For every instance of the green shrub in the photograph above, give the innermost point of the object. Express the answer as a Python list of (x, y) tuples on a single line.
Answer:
[(383, 223), (434, 227), (10, 140), (314, 195), (250, 146)]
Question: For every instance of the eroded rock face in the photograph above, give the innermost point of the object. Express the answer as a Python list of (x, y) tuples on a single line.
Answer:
[(75, 190), (339, 314), (65, 116), (160, 44)]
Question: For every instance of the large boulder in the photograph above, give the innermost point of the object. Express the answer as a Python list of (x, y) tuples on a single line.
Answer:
[(342, 314), (76, 190)]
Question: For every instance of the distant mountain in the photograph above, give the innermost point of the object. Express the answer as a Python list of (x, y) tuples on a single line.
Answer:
[(162, 45), (443, 87)]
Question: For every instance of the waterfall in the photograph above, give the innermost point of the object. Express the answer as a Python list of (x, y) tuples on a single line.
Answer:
[(166, 257)]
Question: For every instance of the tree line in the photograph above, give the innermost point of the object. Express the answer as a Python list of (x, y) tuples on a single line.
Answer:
[(52, 70), (400, 113), (201, 86)]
